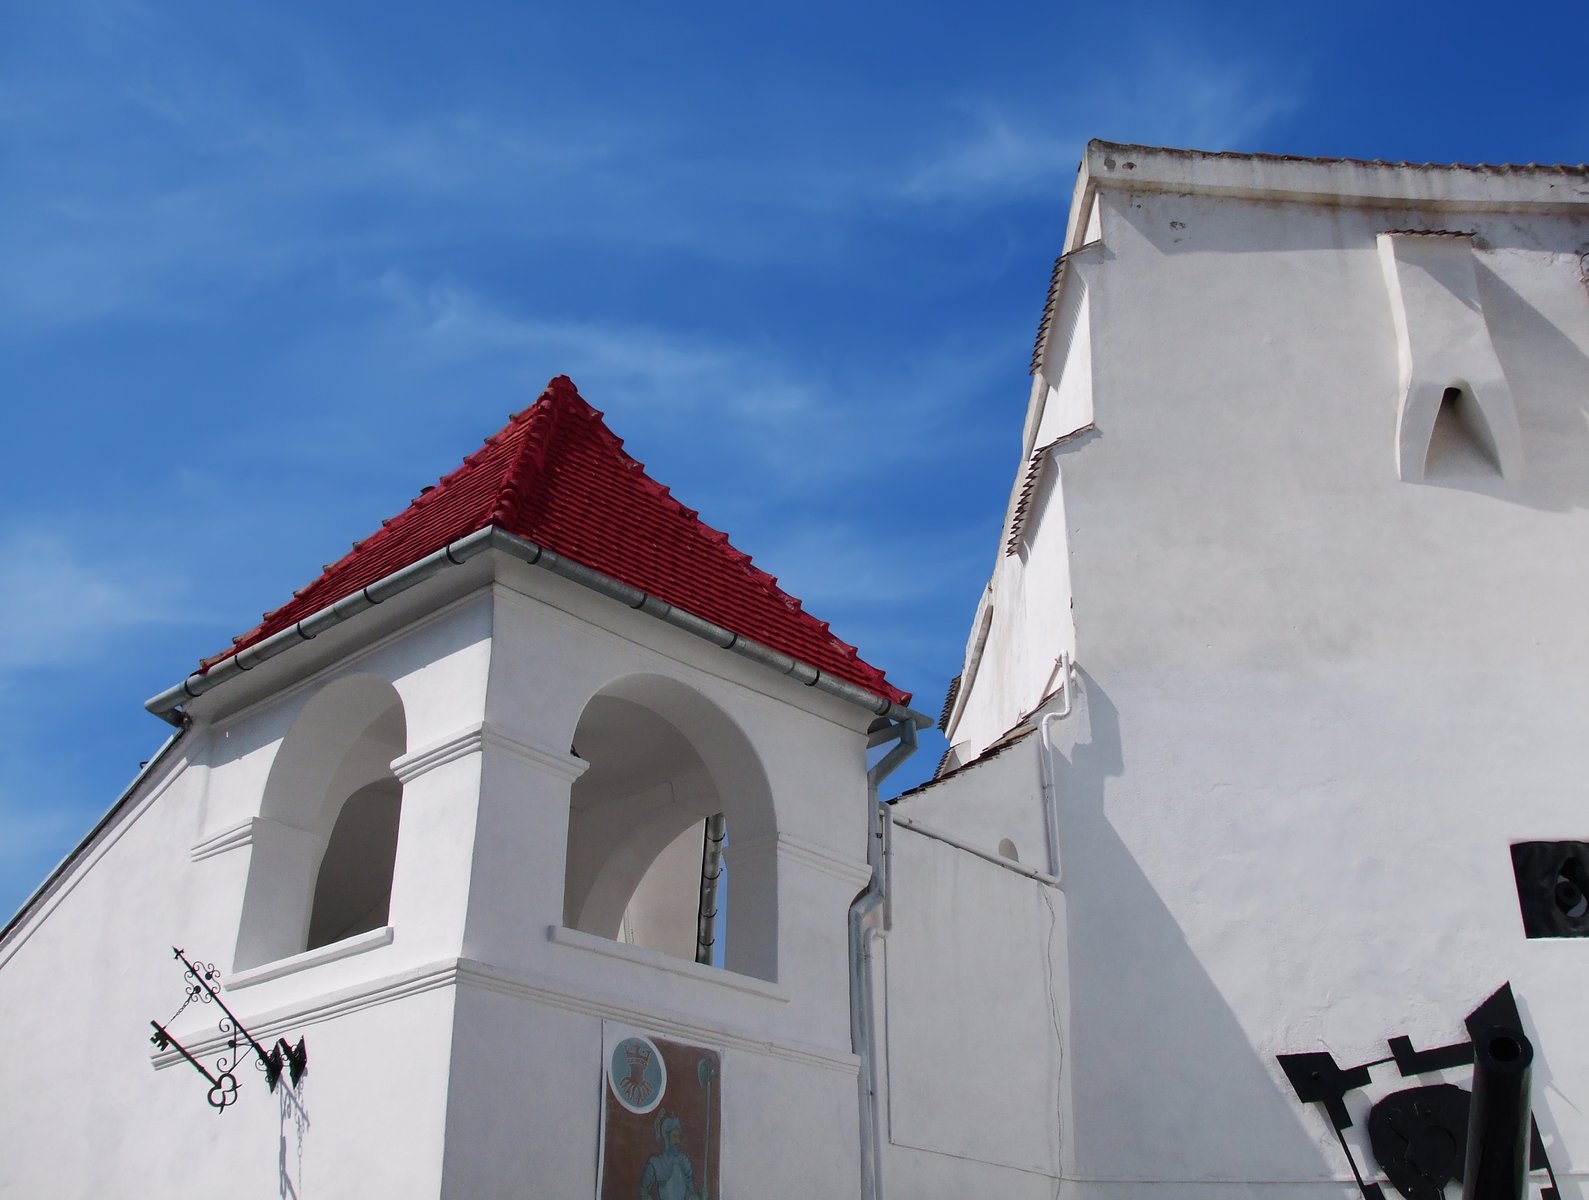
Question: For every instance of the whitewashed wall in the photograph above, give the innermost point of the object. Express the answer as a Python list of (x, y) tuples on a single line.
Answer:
[(1317, 702), (458, 1051), (973, 983)]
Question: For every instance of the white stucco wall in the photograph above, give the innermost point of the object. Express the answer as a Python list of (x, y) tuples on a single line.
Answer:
[(1317, 702), (973, 1035), (973, 985), (456, 1052)]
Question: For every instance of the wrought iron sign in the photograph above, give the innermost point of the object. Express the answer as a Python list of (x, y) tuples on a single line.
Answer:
[(201, 986)]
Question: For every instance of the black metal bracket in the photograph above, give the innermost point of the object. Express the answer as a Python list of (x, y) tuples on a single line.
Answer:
[(1317, 1078), (201, 986)]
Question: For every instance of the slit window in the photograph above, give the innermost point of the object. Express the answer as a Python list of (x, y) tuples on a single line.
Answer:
[(1553, 888), (1460, 442)]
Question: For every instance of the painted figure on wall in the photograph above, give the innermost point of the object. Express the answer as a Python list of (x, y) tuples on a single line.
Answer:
[(660, 1126), (668, 1174)]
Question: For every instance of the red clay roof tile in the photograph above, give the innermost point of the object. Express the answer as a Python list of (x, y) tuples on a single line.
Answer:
[(557, 476)]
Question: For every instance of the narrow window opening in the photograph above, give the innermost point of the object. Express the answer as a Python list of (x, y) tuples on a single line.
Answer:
[(646, 835), (353, 891), (1460, 444), (671, 784), (323, 848), (662, 912), (1553, 888)]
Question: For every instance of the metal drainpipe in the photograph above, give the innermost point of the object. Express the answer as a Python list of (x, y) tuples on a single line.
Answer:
[(869, 920), (711, 870), (1050, 784)]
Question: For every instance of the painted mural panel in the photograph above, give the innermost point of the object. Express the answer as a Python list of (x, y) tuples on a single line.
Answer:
[(661, 1130)]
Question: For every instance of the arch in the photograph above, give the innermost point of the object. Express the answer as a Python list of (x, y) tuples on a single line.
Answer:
[(1460, 440), (325, 839), (353, 888), (1456, 426), (664, 758)]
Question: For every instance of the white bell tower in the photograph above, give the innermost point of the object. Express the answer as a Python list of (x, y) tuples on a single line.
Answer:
[(446, 816)]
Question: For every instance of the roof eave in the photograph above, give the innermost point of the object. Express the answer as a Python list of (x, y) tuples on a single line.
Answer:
[(1453, 187), (168, 704)]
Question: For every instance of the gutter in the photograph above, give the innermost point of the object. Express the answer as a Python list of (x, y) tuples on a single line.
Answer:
[(144, 772), (168, 704)]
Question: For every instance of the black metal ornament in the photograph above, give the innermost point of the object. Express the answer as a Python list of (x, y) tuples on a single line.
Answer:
[(1420, 1138), (1425, 1137), (201, 986)]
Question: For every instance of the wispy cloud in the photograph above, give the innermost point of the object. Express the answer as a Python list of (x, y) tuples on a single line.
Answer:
[(988, 157), (32, 836), (60, 604), (1160, 94), (874, 564), (781, 424), (204, 183)]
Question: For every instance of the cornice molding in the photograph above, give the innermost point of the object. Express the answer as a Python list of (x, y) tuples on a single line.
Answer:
[(789, 848), (203, 1040), (251, 830), (232, 837), (475, 738), (346, 948), (478, 975), (656, 960)]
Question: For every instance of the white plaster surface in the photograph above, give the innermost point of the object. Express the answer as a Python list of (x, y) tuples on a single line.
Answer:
[(1317, 702), (454, 1052)]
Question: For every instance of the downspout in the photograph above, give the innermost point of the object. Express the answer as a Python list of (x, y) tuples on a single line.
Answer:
[(869, 920), (1045, 752)]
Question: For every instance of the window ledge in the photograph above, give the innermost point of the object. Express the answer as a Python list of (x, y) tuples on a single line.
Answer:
[(579, 940), (346, 948)]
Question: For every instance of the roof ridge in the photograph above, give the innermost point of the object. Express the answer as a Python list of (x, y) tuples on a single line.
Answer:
[(558, 476), (544, 425), (764, 580)]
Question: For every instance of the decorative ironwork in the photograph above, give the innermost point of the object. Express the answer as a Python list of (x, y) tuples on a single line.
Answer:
[(1424, 1137), (201, 985)]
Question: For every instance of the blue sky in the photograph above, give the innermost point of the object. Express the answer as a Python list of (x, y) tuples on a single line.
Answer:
[(269, 269)]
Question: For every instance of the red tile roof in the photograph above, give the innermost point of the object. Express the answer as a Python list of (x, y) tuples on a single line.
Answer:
[(557, 476)]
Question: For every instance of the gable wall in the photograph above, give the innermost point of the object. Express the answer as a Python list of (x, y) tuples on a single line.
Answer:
[(1318, 702)]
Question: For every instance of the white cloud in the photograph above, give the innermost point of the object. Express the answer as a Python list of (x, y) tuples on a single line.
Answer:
[(995, 161), (779, 425), (60, 604), (1158, 94), (872, 564), (30, 834), (165, 176)]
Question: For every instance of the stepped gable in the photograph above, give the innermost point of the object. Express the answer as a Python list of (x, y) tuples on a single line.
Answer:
[(557, 476)]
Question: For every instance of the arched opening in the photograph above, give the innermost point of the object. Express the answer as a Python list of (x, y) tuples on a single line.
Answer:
[(642, 864), (1460, 444), (325, 842), (353, 891)]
